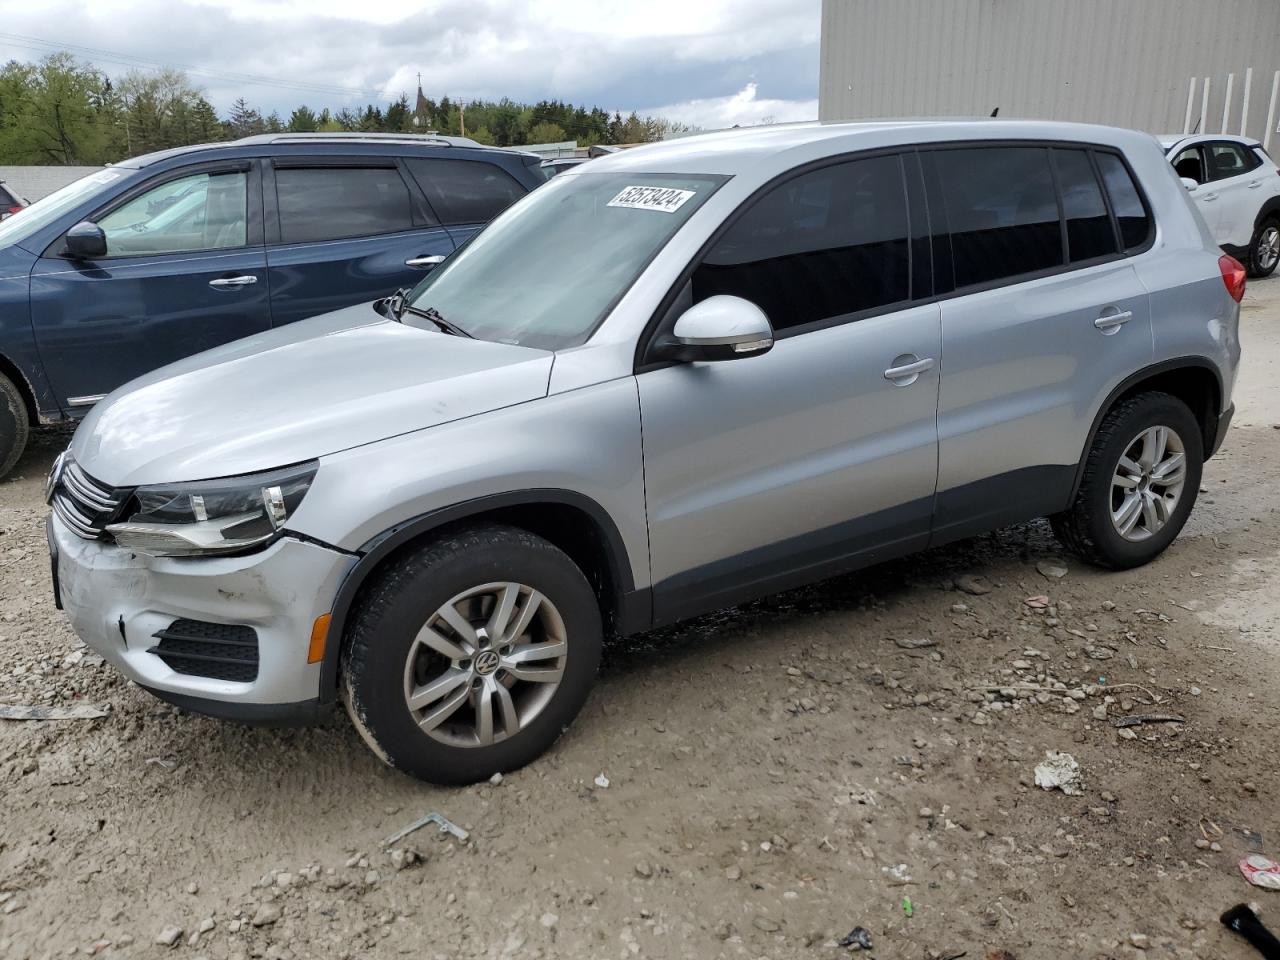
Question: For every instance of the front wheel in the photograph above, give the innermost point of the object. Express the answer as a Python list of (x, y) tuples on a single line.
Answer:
[(14, 425), (1264, 251), (469, 656), (1141, 477)]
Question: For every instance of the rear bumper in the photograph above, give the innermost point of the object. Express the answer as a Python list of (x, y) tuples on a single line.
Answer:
[(1224, 424)]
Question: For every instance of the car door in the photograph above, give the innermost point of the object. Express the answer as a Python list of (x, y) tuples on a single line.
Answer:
[(820, 455), (465, 192), (1191, 163), (1045, 315), (185, 271), (1235, 180), (344, 230)]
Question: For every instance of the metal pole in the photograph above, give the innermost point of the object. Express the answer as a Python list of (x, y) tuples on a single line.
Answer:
[(1191, 103), (1244, 109), (1271, 112), (1226, 102), (1204, 108)]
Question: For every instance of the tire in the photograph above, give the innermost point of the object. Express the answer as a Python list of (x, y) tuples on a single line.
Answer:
[(15, 425), (1264, 249), (1089, 529), (389, 654)]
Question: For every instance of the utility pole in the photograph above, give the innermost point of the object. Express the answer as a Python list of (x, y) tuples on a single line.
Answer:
[(462, 117)]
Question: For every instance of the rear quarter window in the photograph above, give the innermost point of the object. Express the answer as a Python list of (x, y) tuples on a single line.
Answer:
[(1126, 202), (465, 191)]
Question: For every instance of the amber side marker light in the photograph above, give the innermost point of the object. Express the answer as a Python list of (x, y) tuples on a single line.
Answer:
[(319, 634)]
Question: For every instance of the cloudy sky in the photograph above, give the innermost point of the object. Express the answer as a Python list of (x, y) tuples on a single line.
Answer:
[(710, 63)]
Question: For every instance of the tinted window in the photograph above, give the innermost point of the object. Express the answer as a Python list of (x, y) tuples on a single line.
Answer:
[(328, 203), (825, 244), (1002, 210), (1089, 230), (200, 212), (1187, 164), (1135, 224), (466, 191), (1230, 160)]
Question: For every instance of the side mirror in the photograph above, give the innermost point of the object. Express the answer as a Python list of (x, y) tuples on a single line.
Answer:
[(86, 241), (1189, 183), (718, 328)]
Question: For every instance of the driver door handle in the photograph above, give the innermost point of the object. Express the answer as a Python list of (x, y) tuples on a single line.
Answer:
[(243, 280), (1208, 197), (423, 261)]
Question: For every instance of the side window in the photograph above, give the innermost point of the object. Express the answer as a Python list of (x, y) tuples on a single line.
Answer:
[(1126, 202), (330, 203), (203, 211), (1230, 160), (822, 245), (1089, 230), (1187, 164), (1002, 210), (465, 191)]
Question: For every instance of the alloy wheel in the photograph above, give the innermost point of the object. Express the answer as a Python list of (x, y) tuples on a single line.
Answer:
[(1148, 483), (1268, 248), (485, 664)]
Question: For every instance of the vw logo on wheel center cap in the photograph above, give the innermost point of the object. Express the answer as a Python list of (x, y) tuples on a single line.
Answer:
[(486, 662)]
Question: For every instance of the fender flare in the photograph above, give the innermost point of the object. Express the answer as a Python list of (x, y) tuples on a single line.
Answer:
[(1269, 209), (1127, 384), (632, 606)]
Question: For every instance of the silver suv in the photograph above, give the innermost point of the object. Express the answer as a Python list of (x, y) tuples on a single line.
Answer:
[(669, 381)]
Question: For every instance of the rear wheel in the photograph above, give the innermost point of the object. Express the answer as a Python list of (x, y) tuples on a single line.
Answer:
[(1264, 251), (1140, 482), (469, 656), (15, 425)]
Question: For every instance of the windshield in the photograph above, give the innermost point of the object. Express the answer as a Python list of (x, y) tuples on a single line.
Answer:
[(47, 209), (547, 271)]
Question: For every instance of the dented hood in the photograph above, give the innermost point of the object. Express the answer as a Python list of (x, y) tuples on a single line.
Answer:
[(298, 392)]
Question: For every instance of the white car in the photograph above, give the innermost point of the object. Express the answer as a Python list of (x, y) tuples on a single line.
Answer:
[(1237, 189)]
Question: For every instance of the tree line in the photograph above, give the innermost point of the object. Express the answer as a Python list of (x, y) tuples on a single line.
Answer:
[(65, 111)]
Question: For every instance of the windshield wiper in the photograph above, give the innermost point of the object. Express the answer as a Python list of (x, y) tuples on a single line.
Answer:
[(432, 314)]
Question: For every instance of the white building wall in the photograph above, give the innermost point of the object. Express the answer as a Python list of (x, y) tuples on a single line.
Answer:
[(1122, 62)]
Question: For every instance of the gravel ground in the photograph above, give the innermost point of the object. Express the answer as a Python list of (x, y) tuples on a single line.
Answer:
[(857, 753)]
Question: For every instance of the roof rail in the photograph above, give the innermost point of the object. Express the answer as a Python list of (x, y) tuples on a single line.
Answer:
[(318, 137)]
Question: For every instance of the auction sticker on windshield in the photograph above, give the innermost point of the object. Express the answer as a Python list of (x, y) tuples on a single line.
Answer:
[(662, 199)]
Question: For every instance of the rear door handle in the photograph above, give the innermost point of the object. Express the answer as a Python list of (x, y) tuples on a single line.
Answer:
[(1208, 197), (241, 281), (1111, 322), (420, 262), (1254, 184), (906, 374)]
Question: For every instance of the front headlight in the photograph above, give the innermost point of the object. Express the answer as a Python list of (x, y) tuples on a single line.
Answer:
[(212, 516)]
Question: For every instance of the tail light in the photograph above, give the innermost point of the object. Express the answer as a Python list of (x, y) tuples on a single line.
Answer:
[(15, 208), (1233, 276)]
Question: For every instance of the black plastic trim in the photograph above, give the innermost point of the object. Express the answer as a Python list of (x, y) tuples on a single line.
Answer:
[(634, 606), (301, 714), (1000, 501), (1220, 432)]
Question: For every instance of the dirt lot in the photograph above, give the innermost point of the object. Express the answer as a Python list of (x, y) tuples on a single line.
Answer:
[(777, 774)]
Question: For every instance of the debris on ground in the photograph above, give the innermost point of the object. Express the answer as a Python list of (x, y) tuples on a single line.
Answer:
[(999, 955), (1039, 602), (446, 826), (954, 956), (973, 585), (915, 643), (858, 938), (77, 711), (1261, 871), (1242, 920), (602, 782), (1059, 771), (1138, 719), (908, 908), (1052, 569)]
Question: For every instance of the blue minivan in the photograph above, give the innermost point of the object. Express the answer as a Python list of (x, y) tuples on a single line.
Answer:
[(169, 254)]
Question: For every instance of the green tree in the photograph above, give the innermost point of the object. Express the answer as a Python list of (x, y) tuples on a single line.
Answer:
[(545, 132), (397, 118), (482, 135), (244, 121), (303, 120)]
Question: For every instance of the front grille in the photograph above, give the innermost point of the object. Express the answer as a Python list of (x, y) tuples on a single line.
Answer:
[(83, 503), (221, 651)]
